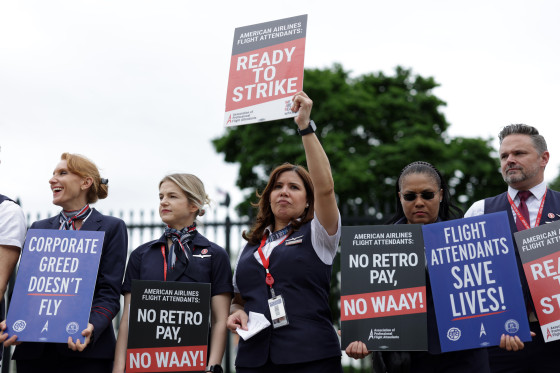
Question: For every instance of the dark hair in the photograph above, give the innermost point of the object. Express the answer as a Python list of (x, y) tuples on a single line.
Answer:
[(523, 129), (447, 210), (265, 217)]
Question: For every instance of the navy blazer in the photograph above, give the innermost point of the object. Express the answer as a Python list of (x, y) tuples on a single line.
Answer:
[(210, 264), (106, 296)]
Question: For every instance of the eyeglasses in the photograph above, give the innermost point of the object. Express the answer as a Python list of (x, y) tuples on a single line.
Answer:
[(424, 195)]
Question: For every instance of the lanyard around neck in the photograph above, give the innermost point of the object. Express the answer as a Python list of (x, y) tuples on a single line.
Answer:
[(165, 259), (266, 262), (525, 223), (164, 263)]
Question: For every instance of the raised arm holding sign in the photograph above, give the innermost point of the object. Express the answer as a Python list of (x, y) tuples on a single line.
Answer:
[(284, 271)]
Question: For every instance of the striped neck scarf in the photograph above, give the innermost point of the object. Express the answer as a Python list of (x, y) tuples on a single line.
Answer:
[(68, 219), (181, 244), (280, 233)]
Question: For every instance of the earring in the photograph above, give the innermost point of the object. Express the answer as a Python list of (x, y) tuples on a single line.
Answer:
[(307, 206)]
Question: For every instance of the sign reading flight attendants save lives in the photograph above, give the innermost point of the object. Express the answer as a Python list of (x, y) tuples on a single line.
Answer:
[(539, 249), (54, 285), (383, 287), (266, 70), (475, 282), (168, 326)]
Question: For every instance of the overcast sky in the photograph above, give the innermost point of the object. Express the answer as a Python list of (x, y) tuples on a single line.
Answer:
[(139, 86)]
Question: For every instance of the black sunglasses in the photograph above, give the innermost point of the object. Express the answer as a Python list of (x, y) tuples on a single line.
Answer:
[(424, 195)]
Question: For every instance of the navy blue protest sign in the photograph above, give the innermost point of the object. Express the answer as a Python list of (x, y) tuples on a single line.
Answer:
[(54, 285), (168, 326), (475, 282)]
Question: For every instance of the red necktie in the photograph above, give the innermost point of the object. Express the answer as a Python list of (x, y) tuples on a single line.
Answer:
[(523, 195)]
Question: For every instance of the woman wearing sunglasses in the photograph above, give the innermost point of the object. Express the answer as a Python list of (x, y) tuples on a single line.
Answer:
[(422, 197)]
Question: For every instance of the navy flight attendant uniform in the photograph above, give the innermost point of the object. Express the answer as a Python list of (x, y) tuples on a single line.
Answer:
[(210, 265), (98, 355), (303, 281)]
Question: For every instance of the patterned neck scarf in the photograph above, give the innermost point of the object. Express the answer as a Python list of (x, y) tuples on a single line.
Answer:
[(280, 233), (181, 244), (68, 219)]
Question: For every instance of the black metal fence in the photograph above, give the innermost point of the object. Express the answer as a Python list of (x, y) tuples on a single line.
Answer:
[(222, 229)]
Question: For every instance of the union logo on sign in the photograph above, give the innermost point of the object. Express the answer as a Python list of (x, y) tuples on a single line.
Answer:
[(453, 334), (72, 327), (512, 326)]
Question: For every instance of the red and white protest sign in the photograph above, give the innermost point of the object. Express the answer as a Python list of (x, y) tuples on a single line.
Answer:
[(539, 249), (383, 303), (266, 70), (167, 359)]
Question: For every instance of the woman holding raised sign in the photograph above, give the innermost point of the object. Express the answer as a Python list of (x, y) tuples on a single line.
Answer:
[(422, 197), (76, 184), (181, 254), (284, 271)]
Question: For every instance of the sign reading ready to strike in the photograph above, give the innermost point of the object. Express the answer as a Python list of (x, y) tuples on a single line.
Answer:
[(168, 327), (266, 70), (54, 285), (383, 287)]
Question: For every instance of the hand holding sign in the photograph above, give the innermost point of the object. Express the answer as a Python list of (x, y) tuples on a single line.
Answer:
[(357, 350), (78, 346), (302, 105), (512, 343), (4, 336)]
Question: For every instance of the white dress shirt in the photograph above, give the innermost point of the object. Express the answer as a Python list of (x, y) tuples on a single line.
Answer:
[(533, 203)]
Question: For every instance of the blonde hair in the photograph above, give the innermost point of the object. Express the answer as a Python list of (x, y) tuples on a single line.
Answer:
[(193, 188), (83, 167)]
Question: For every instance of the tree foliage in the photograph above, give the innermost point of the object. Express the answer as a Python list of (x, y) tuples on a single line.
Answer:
[(371, 126), (555, 185)]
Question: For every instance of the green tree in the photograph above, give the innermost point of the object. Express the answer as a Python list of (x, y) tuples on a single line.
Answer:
[(370, 126), (555, 185)]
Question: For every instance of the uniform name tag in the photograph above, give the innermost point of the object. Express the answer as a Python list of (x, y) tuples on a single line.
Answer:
[(294, 241)]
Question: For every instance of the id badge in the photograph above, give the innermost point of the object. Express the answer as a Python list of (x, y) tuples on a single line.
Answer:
[(277, 312)]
